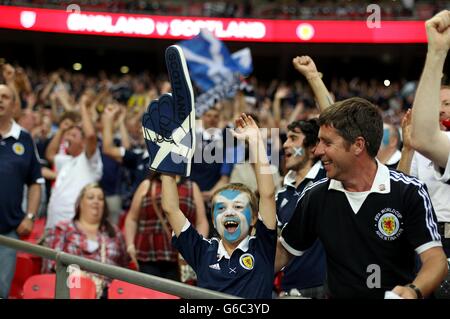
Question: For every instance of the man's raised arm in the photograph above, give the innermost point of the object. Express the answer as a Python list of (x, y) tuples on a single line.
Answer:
[(305, 65), (427, 137)]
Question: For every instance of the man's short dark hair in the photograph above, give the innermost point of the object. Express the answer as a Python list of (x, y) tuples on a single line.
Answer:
[(353, 118), (309, 128)]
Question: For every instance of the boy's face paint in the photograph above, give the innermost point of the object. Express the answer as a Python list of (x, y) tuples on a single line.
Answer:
[(386, 134), (232, 214)]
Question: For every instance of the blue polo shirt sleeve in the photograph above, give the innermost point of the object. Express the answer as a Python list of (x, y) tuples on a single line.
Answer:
[(266, 239), (192, 246), (226, 169), (34, 175), (299, 233)]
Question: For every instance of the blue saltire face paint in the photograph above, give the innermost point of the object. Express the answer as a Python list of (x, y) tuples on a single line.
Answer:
[(386, 135), (298, 151), (232, 207)]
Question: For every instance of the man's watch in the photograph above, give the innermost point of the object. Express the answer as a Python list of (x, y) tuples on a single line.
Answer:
[(416, 290), (31, 216)]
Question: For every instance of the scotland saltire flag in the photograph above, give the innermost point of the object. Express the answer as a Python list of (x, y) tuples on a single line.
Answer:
[(210, 62), (243, 58), (169, 123)]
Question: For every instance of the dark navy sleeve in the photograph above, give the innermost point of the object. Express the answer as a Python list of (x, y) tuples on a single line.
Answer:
[(299, 233), (226, 169), (130, 159), (192, 246), (266, 240), (34, 175), (421, 222)]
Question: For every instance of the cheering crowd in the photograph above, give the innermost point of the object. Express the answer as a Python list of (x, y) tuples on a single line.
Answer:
[(287, 9), (359, 182)]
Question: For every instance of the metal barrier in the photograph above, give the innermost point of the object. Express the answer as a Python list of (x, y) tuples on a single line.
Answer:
[(153, 282)]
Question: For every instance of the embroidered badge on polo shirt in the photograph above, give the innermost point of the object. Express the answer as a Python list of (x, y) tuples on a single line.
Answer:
[(247, 261), (18, 148), (388, 224)]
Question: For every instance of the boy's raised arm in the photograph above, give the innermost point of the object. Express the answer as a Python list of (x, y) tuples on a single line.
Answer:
[(246, 128), (171, 204)]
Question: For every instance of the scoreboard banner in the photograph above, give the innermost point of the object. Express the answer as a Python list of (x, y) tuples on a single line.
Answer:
[(177, 27)]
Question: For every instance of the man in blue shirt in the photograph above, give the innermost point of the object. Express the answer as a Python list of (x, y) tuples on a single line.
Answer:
[(305, 274), (238, 264), (19, 166)]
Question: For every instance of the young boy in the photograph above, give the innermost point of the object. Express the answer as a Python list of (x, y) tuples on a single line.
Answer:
[(237, 263)]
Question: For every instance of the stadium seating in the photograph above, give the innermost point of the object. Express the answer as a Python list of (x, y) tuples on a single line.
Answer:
[(43, 287), (26, 266), (124, 290)]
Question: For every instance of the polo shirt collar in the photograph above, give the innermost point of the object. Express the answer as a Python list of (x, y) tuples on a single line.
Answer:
[(222, 252), (381, 183), (14, 131), (289, 179), (312, 174), (395, 158)]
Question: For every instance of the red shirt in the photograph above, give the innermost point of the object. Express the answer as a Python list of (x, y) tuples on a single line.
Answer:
[(67, 237)]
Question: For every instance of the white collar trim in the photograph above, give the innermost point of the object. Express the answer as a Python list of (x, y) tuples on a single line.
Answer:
[(381, 183), (290, 177), (394, 158), (222, 252), (314, 170), (14, 131)]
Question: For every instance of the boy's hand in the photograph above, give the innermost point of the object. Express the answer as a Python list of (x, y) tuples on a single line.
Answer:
[(246, 128)]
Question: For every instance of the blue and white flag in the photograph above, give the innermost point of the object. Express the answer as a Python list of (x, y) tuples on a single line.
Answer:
[(243, 58), (210, 62)]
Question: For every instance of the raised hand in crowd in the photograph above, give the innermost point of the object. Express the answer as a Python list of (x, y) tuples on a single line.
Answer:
[(306, 66), (404, 164), (23, 82), (9, 75), (55, 143), (246, 129), (430, 100)]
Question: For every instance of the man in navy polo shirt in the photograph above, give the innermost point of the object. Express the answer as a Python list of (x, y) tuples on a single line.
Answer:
[(305, 274), (371, 221), (238, 264), (19, 165)]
